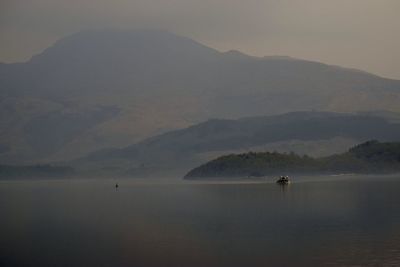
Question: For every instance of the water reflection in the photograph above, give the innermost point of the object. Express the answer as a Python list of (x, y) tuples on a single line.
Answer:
[(301, 224), (284, 187)]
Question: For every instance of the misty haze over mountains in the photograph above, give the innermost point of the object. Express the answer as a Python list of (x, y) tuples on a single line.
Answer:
[(218, 133), (111, 88)]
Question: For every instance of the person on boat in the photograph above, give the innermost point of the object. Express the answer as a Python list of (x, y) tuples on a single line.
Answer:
[(283, 180)]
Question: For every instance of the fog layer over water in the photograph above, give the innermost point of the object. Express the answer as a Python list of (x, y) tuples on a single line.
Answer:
[(352, 221)]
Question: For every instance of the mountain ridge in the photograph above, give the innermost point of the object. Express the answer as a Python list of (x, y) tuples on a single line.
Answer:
[(159, 82), (297, 131)]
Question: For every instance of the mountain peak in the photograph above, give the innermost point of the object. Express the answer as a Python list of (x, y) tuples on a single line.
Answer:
[(121, 44)]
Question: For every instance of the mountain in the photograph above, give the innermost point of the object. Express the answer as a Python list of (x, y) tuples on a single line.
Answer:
[(314, 133), (369, 157), (112, 88)]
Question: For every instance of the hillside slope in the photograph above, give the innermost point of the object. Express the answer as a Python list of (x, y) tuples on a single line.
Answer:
[(115, 88), (314, 133)]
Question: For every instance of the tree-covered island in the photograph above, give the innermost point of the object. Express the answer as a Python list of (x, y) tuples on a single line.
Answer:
[(368, 157)]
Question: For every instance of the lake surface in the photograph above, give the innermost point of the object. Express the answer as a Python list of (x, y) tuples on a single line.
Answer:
[(353, 221)]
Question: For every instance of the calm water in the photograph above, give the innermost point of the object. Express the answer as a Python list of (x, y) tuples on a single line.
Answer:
[(344, 222)]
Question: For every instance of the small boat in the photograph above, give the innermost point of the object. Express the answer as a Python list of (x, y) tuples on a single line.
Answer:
[(283, 180)]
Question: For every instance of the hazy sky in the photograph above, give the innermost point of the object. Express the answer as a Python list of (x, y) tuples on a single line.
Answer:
[(364, 34)]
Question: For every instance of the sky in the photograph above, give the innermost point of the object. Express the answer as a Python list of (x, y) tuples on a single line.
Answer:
[(362, 34)]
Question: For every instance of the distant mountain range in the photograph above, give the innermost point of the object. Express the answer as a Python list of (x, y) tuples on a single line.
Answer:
[(99, 89), (369, 157), (312, 133)]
